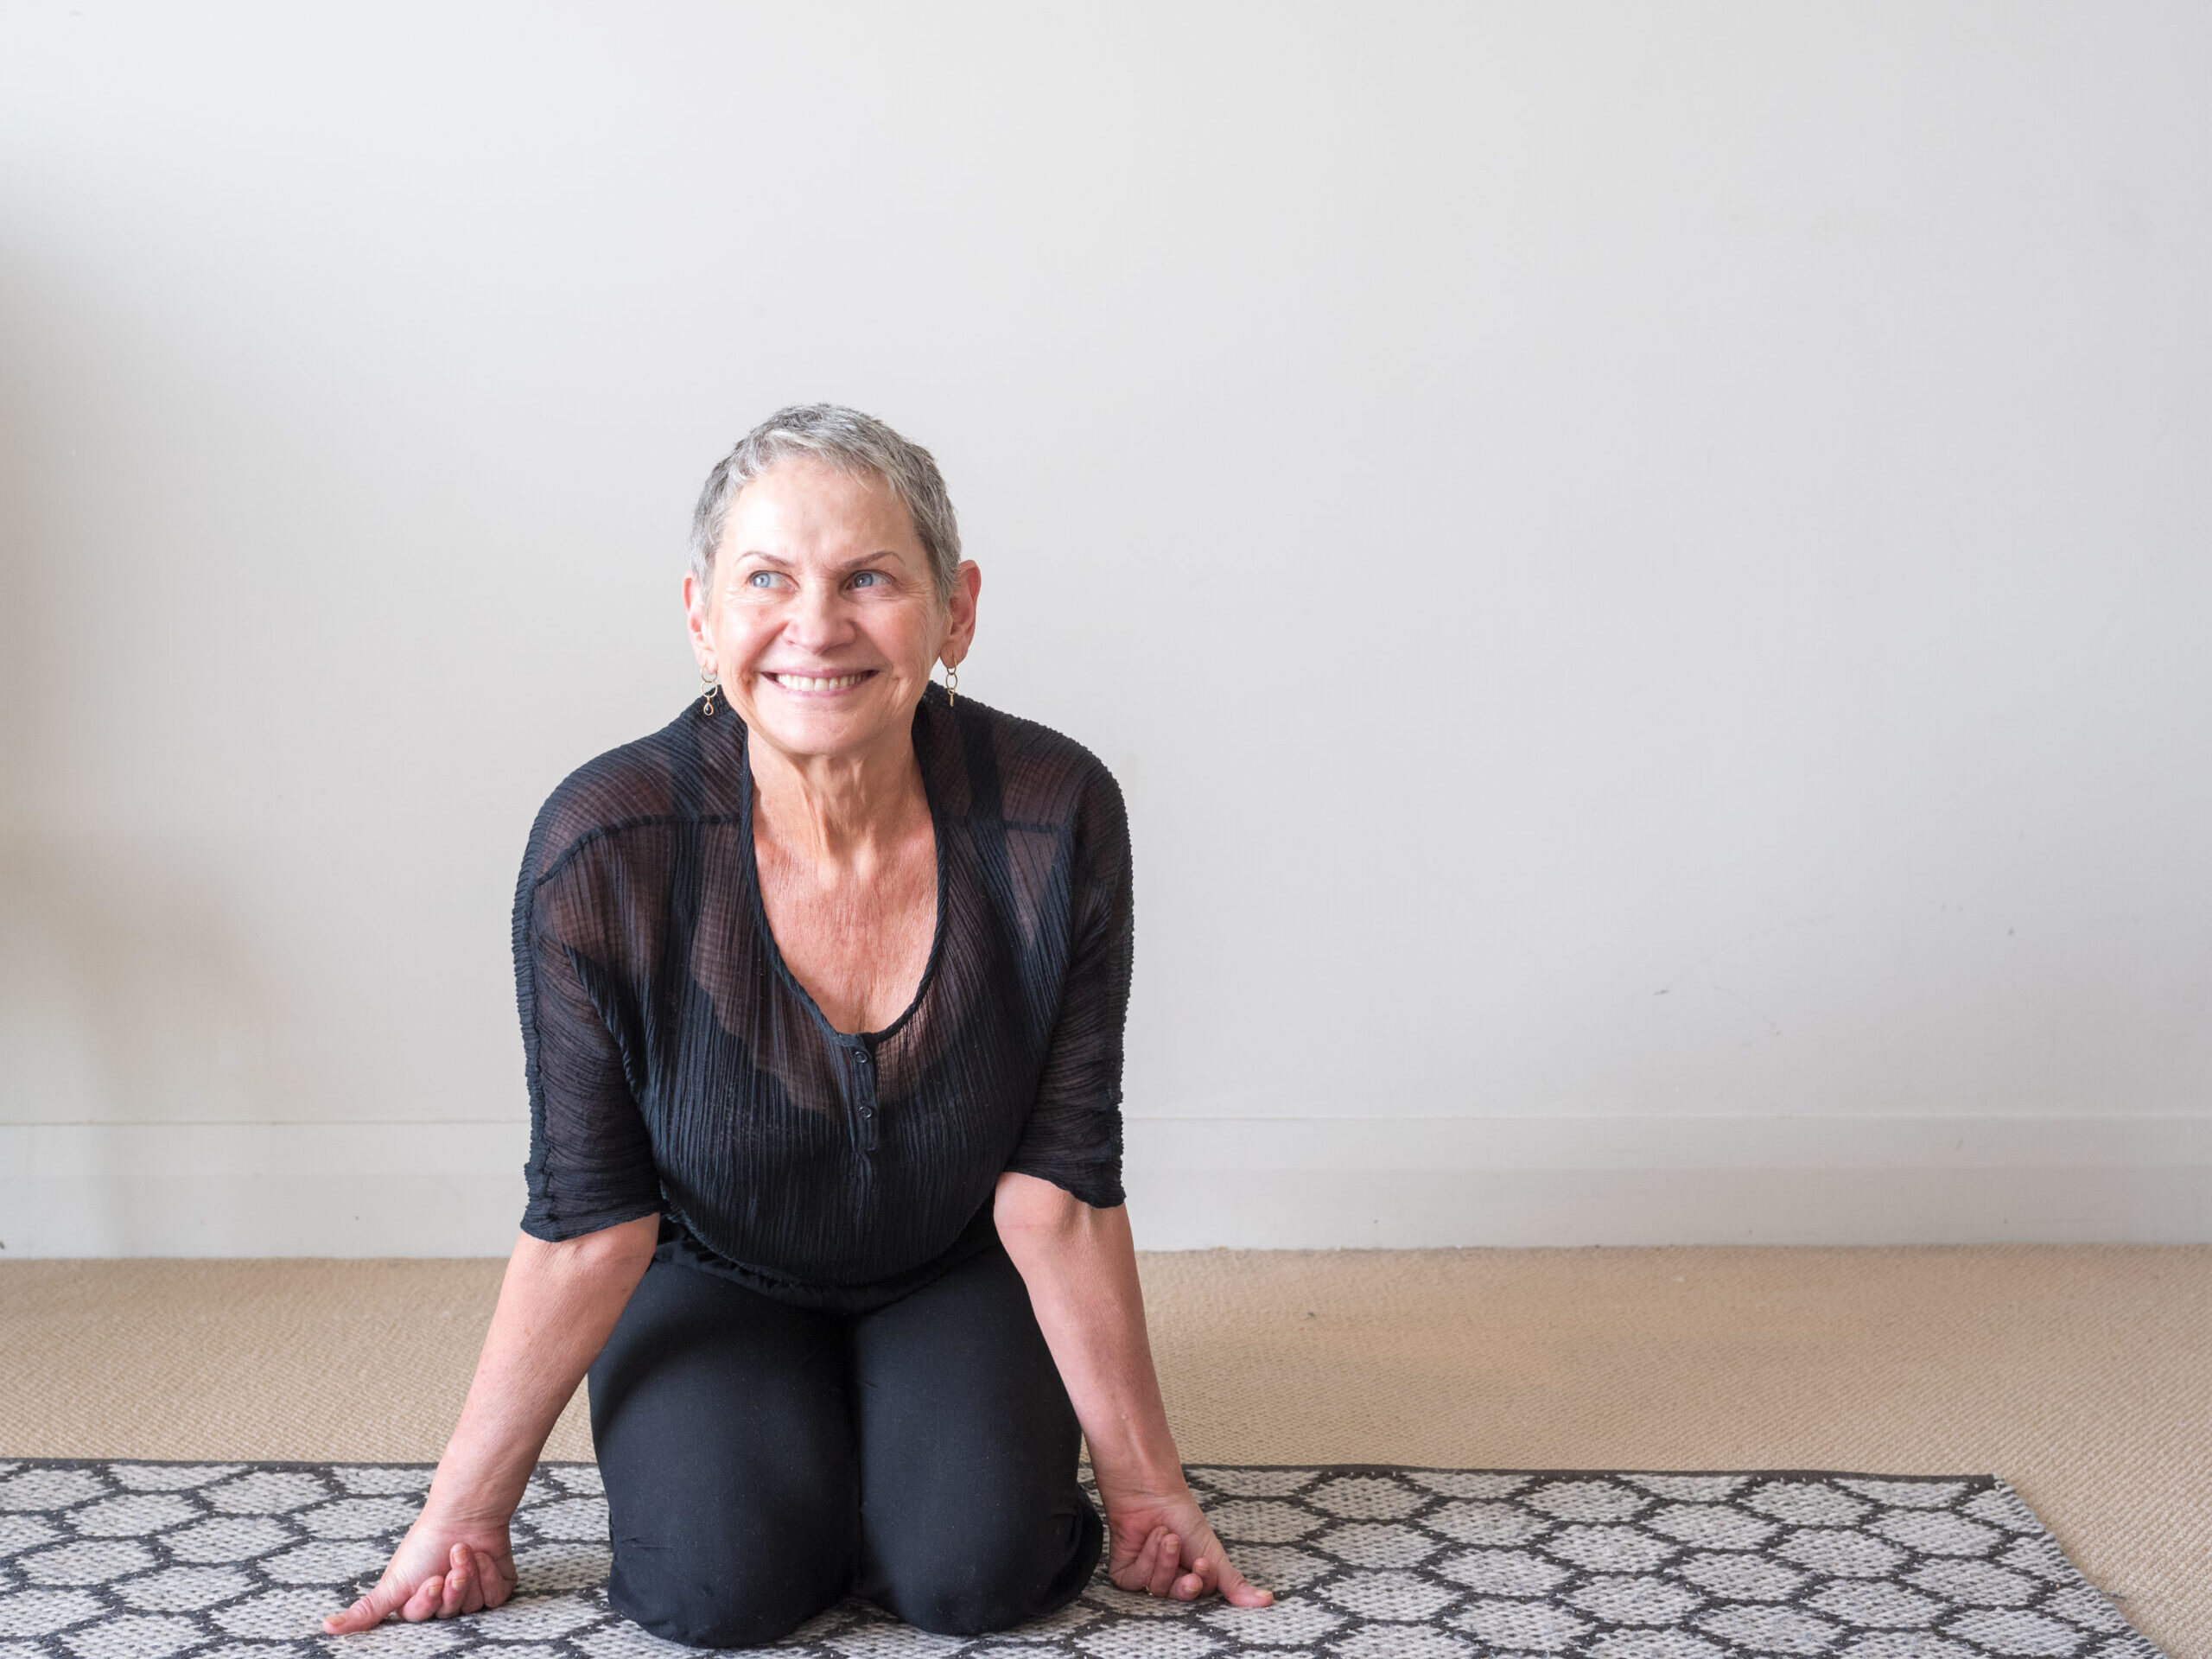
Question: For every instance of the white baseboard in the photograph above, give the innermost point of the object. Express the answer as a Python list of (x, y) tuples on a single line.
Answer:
[(455, 1188), (260, 1188), (1406, 1183)]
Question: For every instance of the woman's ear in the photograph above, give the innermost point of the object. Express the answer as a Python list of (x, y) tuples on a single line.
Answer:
[(960, 624), (696, 618)]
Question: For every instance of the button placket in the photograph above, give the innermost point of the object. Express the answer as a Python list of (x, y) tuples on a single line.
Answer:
[(864, 1096)]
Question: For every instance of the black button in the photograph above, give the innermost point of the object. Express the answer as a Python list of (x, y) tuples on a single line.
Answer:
[(860, 1054), (867, 1111)]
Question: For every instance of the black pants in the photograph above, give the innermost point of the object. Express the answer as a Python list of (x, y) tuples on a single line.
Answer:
[(763, 1461)]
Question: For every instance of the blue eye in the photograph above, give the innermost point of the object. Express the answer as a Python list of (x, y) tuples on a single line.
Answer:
[(864, 576), (760, 578)]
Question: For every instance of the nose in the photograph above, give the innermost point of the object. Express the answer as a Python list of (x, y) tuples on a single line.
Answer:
[(817, 619)]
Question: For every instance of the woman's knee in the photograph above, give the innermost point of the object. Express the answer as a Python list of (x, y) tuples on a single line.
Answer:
[(967, 1580), (685, 1597), (733, 1552), (724, 1437)]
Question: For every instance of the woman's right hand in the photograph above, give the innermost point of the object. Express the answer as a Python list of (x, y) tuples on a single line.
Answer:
[(556, 1305), (440, 1569)]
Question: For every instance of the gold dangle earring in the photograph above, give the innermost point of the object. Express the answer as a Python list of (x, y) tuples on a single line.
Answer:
[(952, 686), (713, 684)]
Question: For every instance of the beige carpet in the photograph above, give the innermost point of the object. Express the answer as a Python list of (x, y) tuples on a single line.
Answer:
[(2081, 1375)]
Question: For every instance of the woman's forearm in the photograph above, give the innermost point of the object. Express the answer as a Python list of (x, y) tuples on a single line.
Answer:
[(1080, 1266), (558, 1305)]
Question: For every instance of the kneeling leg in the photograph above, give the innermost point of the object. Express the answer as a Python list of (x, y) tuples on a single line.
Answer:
[(971, 1515), (724, 1434)]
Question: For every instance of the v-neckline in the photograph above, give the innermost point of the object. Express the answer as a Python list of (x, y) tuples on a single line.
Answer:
[(775, 951)]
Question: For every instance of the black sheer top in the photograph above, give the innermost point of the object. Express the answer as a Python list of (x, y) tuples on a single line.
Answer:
[(676, 1065)]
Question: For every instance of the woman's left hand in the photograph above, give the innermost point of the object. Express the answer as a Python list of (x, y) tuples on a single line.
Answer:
[(1163, 1546), (1080, 1265)]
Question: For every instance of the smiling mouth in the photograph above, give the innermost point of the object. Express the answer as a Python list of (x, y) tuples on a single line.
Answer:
[(814, 682)]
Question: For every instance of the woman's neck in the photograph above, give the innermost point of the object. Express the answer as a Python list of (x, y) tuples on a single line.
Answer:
[(837, 810)]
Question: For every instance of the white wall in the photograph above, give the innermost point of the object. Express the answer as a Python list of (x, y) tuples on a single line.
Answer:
[(1643, 569)]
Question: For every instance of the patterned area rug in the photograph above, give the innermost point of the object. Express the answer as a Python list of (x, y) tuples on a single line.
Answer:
[(144, 1561)]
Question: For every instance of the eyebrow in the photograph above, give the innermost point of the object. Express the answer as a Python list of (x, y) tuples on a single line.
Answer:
[(850, 564)]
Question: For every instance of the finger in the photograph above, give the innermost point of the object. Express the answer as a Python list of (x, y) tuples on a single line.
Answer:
[(454, 1588), (1155, 1560), (498, 1586), (1136, 1572), (423, 1603), (452, 1585), (471, 1582), (1240, 1592), (364, 1614), (1128, 1558), (1169, 1564), (1192, 1575)]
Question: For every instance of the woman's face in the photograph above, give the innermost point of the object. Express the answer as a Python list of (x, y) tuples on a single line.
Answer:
[(821, 620)]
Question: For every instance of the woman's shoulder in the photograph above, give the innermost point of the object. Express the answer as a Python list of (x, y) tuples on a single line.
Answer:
[(652, 780), (1042, 776)]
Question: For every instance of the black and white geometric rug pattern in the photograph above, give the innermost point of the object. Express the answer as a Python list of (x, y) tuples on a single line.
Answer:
[(147, 1561)]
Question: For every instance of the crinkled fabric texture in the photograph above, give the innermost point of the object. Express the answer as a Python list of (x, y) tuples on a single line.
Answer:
[(676, 1065)]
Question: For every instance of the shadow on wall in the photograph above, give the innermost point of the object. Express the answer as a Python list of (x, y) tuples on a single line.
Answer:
[(125, 997), (131, 992)]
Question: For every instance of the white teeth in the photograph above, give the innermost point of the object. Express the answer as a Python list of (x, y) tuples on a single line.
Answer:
[(801, 683)]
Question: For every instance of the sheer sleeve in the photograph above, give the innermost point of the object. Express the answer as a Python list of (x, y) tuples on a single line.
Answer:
[(1073, 1138), (591, 1163)]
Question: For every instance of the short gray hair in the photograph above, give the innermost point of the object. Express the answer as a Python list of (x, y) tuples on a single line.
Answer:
[(854, 443)]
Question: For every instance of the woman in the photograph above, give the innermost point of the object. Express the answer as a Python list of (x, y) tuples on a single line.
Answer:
[(822, 988)]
